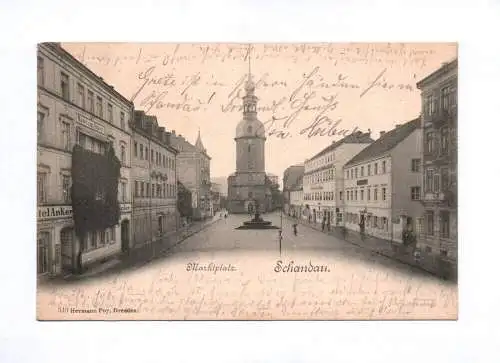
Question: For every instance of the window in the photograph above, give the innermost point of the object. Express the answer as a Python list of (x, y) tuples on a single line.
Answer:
[(122, 119), (141, 152), (152, 155), (445, 179), (415, 193), (429, 180), (43, 242), (375, 169), (66, 188), (356, 172), (65, 135), (369, 170), (110, 112), (383, 167), (40, 71), (124, 191), (93, 239), (355, 195), (102, 238), (113, 234), (135, 148), (384, 194), (445, 140), (444, 224), (362, 171), (368, 194), (362, 192), (347, 195), (142, 189), (65, 86), (446, 95), (41, 185), (136, 189), (415, 165), (375, 194), (429, 222), (147, 190), (429, 142), (340, 195), (99, 106), (436, 183), (347, 174), (40, 125), (81, 96), (90, 101), (122, 154)]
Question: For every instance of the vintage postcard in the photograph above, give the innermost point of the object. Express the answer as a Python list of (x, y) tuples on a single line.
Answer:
[(247, 181)]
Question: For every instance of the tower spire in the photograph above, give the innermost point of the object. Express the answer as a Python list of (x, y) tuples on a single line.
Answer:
[(250, 86)]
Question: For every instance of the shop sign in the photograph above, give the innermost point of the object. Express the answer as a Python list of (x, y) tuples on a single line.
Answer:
[(125, 208), (54, 212), (90, 124), (362, 182)]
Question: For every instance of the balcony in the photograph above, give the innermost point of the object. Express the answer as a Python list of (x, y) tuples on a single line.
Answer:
[(444, 116), (433, 197)]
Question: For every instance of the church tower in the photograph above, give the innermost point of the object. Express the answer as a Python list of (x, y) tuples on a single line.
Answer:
[(247, 187)]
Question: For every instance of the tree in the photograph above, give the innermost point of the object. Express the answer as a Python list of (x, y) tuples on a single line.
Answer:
[(184, 201)]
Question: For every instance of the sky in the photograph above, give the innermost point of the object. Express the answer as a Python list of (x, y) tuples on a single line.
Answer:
[(310, 95)]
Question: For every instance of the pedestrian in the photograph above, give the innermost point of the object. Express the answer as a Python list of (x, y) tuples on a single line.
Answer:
[(323, 222), (295, 229)]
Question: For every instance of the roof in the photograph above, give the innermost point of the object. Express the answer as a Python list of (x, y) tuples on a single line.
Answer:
[(386, 142), (198, 143), (63, 52), (446, 67), (353, 138)]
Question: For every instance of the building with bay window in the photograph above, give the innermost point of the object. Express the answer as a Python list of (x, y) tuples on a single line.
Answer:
[(76, 107), (323, 180), (439, 161), (382, 185), (154, 181)]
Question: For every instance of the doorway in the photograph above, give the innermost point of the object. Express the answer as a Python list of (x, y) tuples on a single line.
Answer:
[(125, 235), (67, 248), (43, 243)]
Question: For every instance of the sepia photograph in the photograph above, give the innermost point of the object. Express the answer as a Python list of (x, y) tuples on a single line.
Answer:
[(258, 181)]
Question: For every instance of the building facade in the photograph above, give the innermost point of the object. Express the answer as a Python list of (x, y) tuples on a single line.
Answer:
[(77, 112), (382, 185), (249, 187), (439, 198), (193, 171), (154, 206), (216, 191), (323, 181), (292, 176)]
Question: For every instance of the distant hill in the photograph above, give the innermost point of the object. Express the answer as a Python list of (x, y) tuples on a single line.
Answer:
[(222, 180)]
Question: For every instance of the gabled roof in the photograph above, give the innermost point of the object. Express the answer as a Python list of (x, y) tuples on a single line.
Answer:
[(354, 138), (386, 142)]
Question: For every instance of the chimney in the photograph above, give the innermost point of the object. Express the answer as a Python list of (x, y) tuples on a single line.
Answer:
[(382, 133)]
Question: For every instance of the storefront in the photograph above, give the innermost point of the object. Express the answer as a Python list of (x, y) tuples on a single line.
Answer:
[(58, 247), (55, 236)]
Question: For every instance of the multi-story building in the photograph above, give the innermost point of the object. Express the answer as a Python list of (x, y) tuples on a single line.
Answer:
[(291, 177), (324, 179), (216, 190), (439, 195), (273, 178), (193, 171), (83, 164), (296, 195), (154, 207), (382, 184)]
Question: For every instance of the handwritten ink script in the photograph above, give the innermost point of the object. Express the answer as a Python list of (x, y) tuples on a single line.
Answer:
[(252, 293), (311, 94)]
